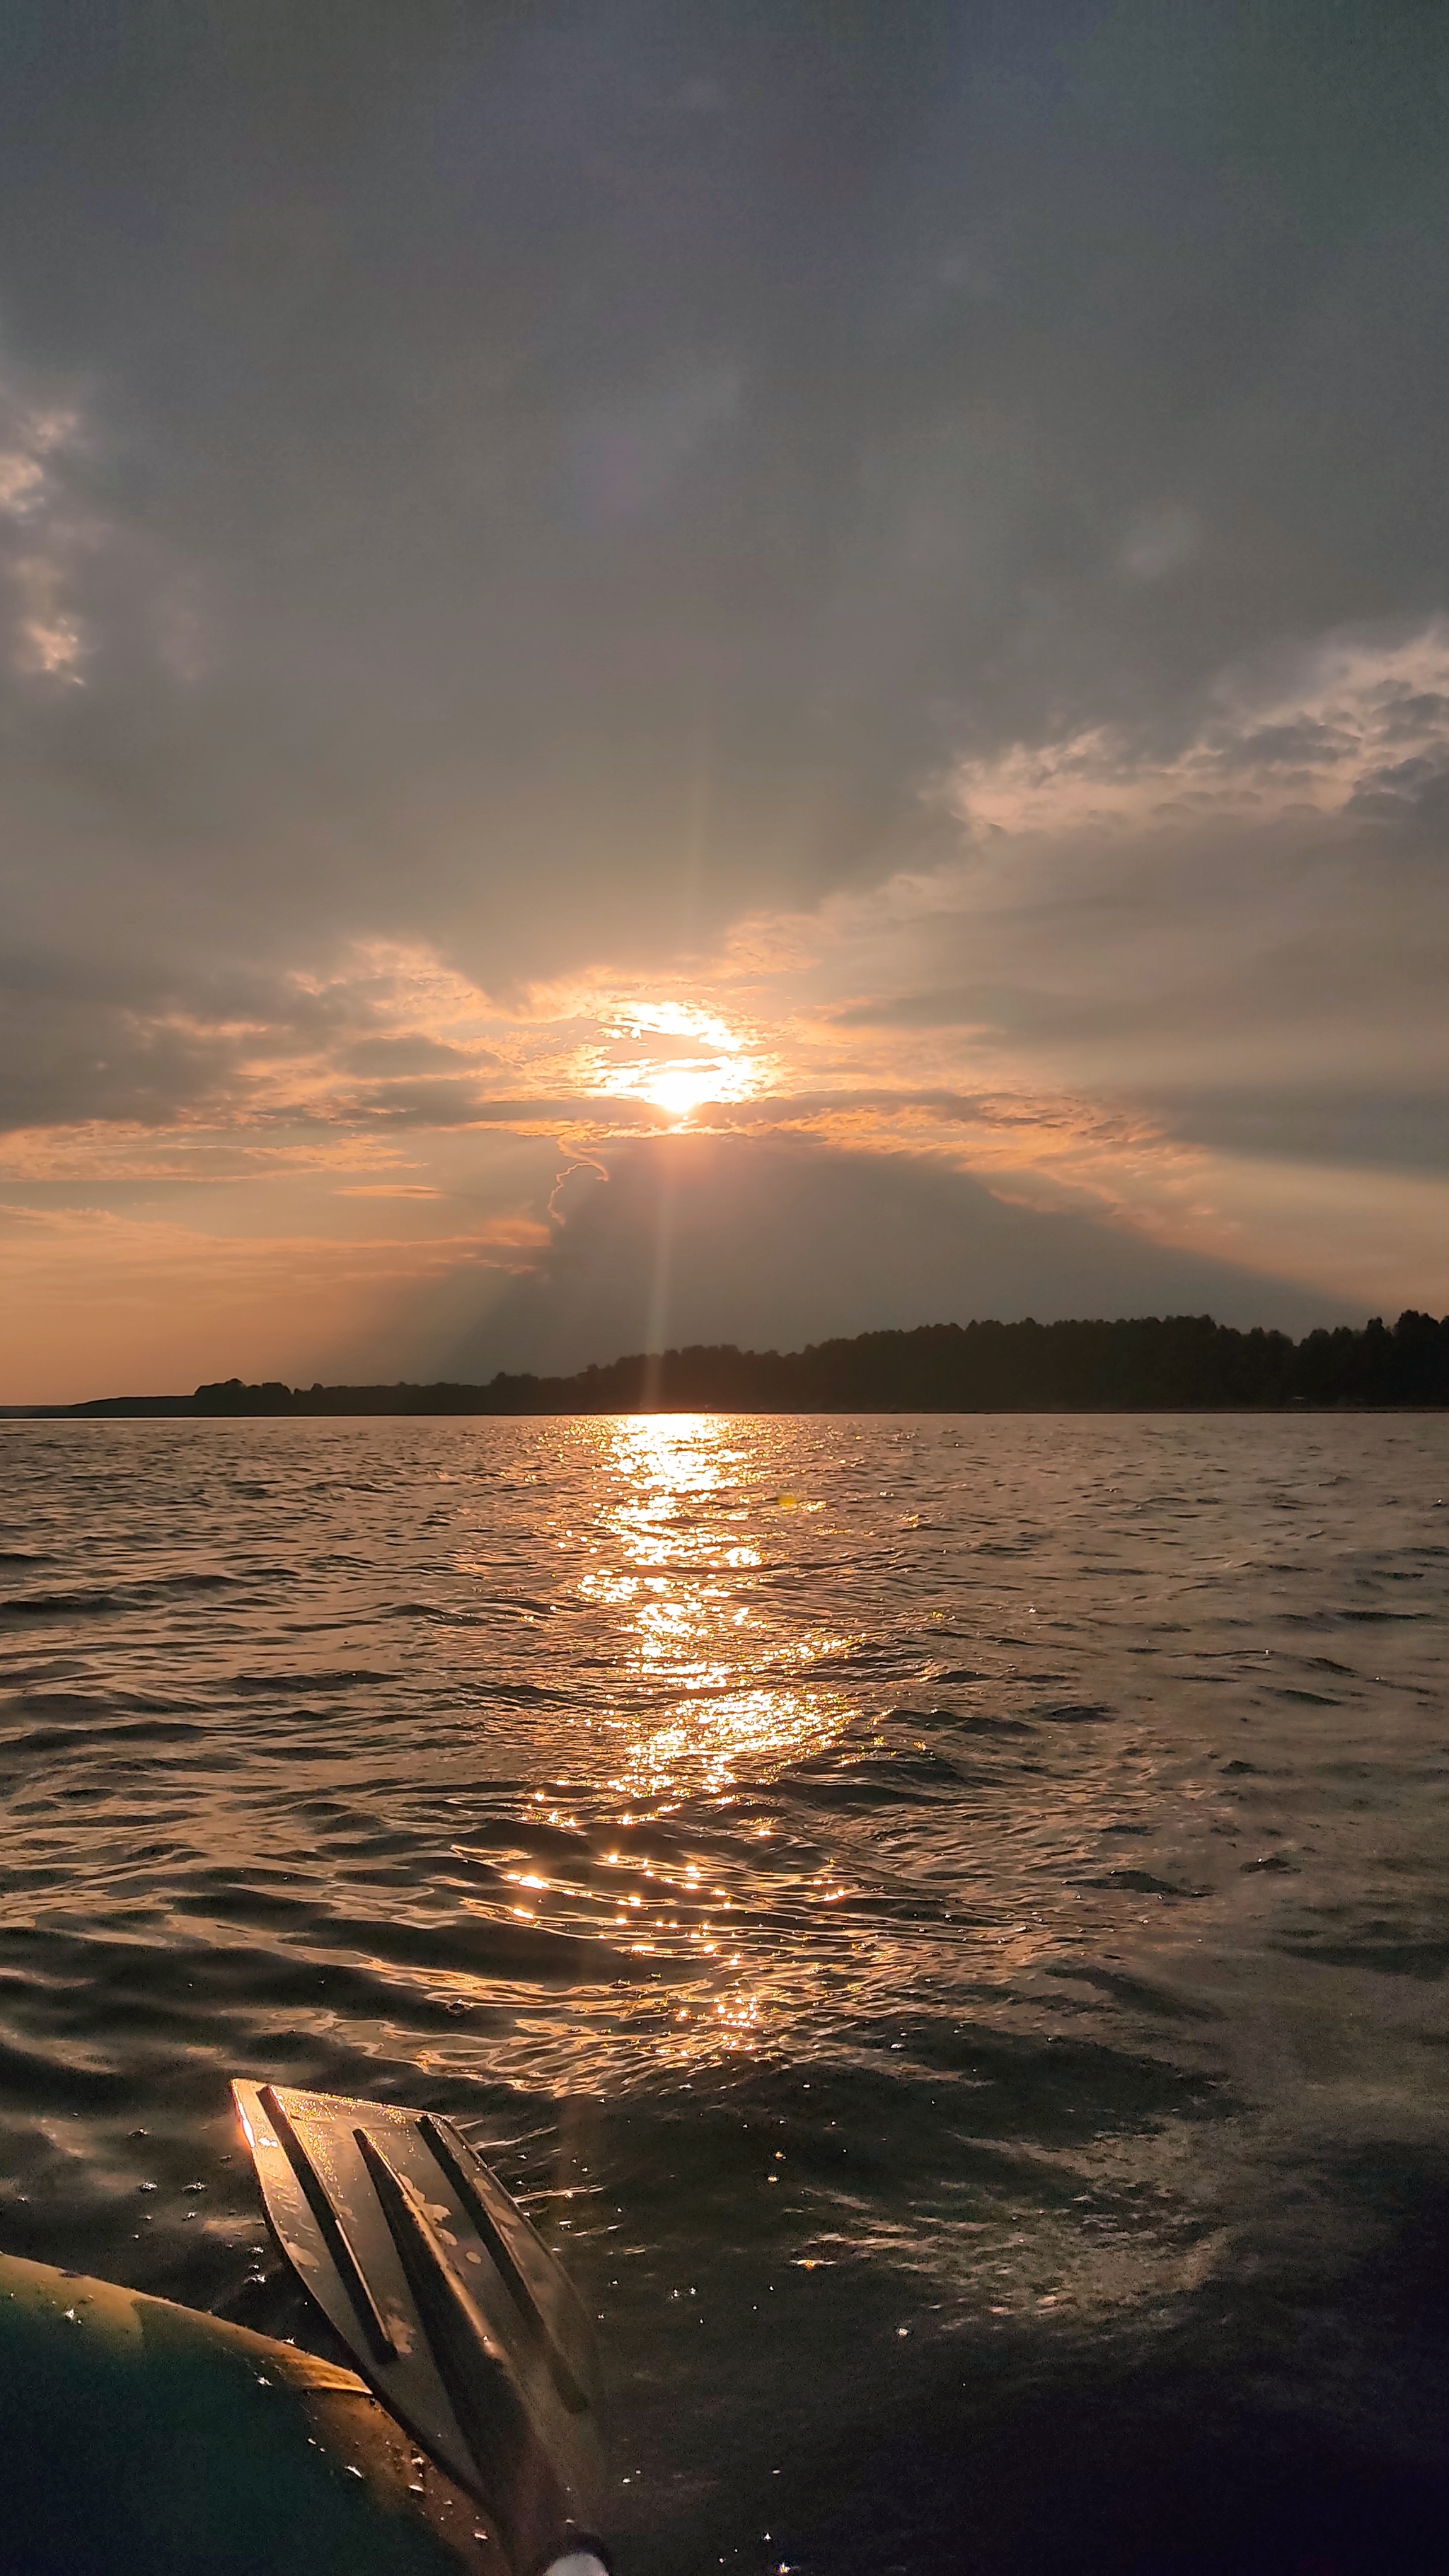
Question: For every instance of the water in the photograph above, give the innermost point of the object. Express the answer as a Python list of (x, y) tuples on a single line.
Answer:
[(943, 1920)]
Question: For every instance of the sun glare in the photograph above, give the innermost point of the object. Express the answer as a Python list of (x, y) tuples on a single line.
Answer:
[(682, 1088), (682, 1057)]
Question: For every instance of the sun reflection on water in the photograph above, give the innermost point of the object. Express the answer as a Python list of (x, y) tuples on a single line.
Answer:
[(722, 1688), (697, 1669)]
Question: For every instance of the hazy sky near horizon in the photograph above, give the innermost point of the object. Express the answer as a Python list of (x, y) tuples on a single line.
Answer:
[(696, 671)]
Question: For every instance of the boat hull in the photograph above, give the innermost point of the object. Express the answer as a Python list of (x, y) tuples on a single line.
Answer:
[(138, 2435)]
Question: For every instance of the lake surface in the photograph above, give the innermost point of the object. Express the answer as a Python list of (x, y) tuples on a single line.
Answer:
[(943, 1919)]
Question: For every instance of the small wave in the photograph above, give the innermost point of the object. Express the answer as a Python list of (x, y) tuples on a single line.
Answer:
[(1144, 1994), (265, 1684), (61, 1605), (58, 1739), (878, 1779), (39, 2076), (1428, 1959), (111, 1597), (1140, 1882), (972, 1723), (478, 1944)]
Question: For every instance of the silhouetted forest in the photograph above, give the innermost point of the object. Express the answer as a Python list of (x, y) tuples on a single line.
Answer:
[(1151, 1363)]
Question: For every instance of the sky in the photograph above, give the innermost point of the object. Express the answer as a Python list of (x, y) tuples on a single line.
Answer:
[(673, 670)]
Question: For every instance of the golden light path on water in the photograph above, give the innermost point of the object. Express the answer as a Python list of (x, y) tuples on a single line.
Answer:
[(697, 1637), (714, 1689)]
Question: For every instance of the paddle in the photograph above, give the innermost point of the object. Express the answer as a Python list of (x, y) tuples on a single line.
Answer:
[(457, 2316)]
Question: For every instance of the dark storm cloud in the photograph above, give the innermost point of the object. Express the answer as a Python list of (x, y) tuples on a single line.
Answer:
[(964, 1008), (84, 1037), (87, 1037), (777, 1244), (1417, 788), (66, 1063), (546, 477), (1392, 1131), (405, 1056)]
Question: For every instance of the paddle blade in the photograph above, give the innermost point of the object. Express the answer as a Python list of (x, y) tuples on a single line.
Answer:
[(457, 2315)]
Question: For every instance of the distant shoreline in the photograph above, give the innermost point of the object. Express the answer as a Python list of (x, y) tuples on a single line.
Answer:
[(1143, 1364), (161, 1408)]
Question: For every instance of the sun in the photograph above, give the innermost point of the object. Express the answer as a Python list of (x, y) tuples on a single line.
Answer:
[(678, 1056), (681, 1088)]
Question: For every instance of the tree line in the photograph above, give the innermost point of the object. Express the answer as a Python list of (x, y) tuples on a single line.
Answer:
[(1146, 1363)]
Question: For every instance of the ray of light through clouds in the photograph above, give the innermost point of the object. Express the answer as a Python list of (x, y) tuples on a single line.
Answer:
[(667, 678)]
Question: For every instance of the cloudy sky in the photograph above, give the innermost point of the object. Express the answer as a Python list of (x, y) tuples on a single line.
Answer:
[(676, 669)]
